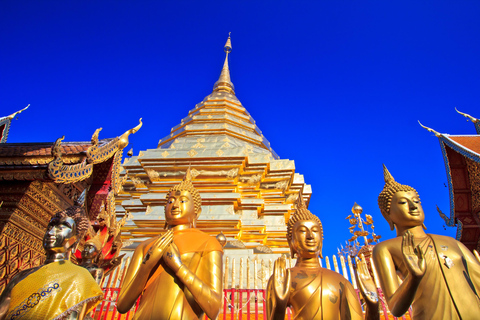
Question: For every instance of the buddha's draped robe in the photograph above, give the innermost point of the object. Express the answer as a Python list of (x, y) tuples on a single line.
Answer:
[(165, 296), (446, 291), (449, 288), (319, 293), (53, 291)]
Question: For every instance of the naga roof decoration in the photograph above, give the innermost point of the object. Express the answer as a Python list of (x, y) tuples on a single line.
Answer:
[(5, 124), (96, 153), (461, 154), (247, 190)]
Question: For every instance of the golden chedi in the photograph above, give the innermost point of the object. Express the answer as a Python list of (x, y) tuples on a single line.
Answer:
[(311, 291), (439, 276), (179, 272), (59, 289)]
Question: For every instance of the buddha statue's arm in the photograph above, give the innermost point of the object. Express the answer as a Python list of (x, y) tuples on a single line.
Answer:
[(473, 266), (399, 297), (141, 266), (350, 307), (205, 284), (97, 274), (278, 291), (368, 289), (5, 301)]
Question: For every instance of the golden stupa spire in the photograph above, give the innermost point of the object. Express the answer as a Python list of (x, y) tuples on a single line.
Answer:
[(224, 84)]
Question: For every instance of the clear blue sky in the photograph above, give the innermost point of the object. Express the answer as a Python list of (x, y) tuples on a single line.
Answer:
[(337, 86)]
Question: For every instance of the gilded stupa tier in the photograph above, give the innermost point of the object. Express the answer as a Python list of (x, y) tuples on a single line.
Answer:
[(247, 191)]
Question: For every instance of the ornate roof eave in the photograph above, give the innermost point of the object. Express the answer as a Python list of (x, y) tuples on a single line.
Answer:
[(448, 141), (97, 153), (475, 121), (5, 123), (448, 220)]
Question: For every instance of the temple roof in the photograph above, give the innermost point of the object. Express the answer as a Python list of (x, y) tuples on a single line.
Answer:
[(5, 125), (468, 144), (461, 154), (33, 154)]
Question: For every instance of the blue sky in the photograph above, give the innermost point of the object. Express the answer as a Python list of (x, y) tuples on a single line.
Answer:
[(336, 86)]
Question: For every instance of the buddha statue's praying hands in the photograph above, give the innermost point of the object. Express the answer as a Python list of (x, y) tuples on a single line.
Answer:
[(311, 291), (179, 272)]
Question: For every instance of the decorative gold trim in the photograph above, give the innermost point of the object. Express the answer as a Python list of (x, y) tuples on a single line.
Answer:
[(430, 130), (61, 173), (18, 112), (474, 120)]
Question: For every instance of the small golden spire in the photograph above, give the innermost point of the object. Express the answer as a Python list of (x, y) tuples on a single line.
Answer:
[(224, 84), (123, 139), (475, 121), (429, 129), (18, 112)]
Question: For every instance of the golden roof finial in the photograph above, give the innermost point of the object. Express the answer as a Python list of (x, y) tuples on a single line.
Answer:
[(224, 84), (123, 140), (475, 121), (429, 129), (18, 112)]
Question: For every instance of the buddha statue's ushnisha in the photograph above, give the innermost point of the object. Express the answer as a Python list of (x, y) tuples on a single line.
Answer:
[(179, 272), (59, 289), (439, 276), (311, 291)]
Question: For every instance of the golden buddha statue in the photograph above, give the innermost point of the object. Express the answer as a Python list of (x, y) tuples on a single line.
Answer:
[(90, 255), (311, 291), (439, 276), (59, 289), (180, 272)]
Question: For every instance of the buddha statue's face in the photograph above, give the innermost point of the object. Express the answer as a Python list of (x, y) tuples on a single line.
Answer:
[(406, 209), (306, 239), (60, 234), (180, 208), (89, 251)]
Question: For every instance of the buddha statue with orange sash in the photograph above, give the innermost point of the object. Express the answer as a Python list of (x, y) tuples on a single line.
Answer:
[(59, 289), (180, 272), (436, 275), (313, 292)]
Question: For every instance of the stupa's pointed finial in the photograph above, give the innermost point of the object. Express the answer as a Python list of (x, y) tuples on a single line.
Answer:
[(224, 84), (228, 44)]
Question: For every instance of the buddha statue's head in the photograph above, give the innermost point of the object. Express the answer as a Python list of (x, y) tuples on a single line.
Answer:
[(400, 204), (184, 203), (64, 229), (304, 232), (91, 248)]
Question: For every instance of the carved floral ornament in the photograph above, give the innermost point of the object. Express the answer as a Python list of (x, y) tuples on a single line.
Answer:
[(62, 173)]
